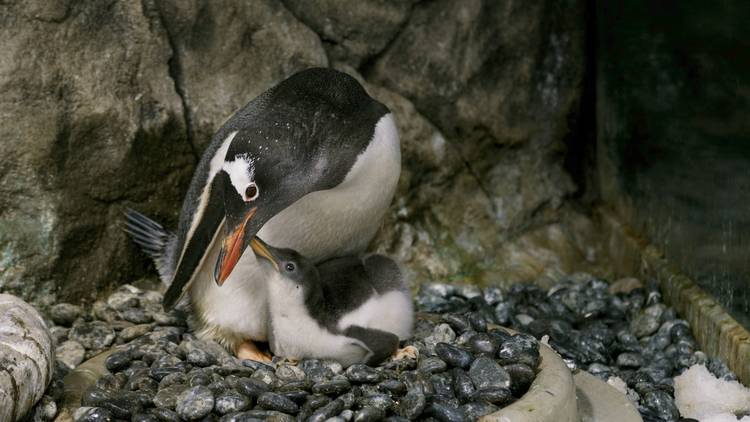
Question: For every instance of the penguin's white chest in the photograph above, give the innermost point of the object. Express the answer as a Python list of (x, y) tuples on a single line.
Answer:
[(320, 225)]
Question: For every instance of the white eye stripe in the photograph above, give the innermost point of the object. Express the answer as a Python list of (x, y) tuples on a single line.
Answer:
[(241, 173)]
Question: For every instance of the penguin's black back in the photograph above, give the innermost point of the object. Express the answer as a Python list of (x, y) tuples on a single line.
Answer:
[(347, 283), (314, 110)]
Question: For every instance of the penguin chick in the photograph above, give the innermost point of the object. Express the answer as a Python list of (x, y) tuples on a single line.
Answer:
[(351, 309)]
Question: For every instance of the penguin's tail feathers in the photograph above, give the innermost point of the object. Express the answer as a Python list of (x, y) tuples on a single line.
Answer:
[(153, 239)]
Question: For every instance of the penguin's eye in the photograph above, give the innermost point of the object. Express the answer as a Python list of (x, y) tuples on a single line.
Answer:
[(251, 192), (290, 266)]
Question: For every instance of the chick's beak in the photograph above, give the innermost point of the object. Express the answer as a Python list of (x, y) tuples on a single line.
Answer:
[(231, 250), (261, 249)]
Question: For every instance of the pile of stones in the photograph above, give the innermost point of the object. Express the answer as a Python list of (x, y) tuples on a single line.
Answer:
[(466, 366), (620, 332)]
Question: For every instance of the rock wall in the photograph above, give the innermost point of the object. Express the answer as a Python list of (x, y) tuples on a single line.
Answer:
[(108, 104)]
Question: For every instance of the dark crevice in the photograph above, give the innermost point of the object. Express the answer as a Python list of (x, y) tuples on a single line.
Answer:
[(176, 74), (368, 64), (580, 157)]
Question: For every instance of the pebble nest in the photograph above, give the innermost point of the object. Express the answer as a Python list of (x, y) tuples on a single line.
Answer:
[(466, 367)]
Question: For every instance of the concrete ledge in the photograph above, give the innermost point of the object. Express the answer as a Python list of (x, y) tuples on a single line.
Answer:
[(551, 397), (718, 334)]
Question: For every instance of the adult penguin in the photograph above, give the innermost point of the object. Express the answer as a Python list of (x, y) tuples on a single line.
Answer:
[(311, 164)]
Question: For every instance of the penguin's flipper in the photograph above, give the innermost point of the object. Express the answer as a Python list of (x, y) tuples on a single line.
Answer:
[(382, 344), (153, 239), (205, 227)]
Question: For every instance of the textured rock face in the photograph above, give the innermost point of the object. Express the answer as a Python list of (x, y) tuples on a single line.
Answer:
[(108, 105), (26, 357)]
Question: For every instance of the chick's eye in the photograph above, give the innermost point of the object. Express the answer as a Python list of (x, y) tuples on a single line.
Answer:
[(290, 267), (251, 192)]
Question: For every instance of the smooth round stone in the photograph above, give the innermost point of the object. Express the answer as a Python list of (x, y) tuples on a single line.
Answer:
[(297, 396), (503, 312), (393, 386), (265, 375), (453, 355), (331, 409), (369, 414), (412, 405), (195, 403), (144, 417), (519, 348), (443, 384), (231, 401), (261, 415), (118, 361), (134, 331), (469, 291), (362, 374), (432, 364), (493, 295), (165, 415), (64, 313), (662, 404), (379, 400), (459, 323), (289, 373), (482, 343), (442, 333), (94, 397), (494, 395), (71, 353), (93, 335), (93, 414), (251, 387), (136, 315), (274, 401), (333, 387), (315, 370), (167, 396), (644, 325), (463, 387), (486, 373), (445, 413), (199, 357), (521, 377), (347, 414), (478, 322), (439, 289), (629, 360)]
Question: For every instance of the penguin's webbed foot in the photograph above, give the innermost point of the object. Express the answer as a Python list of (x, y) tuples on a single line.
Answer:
[(248, 350), (408, 352)]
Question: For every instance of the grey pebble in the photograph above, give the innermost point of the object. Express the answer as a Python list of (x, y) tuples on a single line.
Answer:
[(95, 335), (70, 353), (64, 313), (167, 397), (195, 403), (231, 401), (360, 373), (454, 356), (431, 365), (486, 373), (274, 401)]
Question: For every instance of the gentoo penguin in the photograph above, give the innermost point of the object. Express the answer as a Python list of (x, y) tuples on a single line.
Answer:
[(352, 309), (311, 164)]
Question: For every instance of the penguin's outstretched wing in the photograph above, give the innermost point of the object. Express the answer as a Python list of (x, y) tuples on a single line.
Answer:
[(380, 343), (154, 240)]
